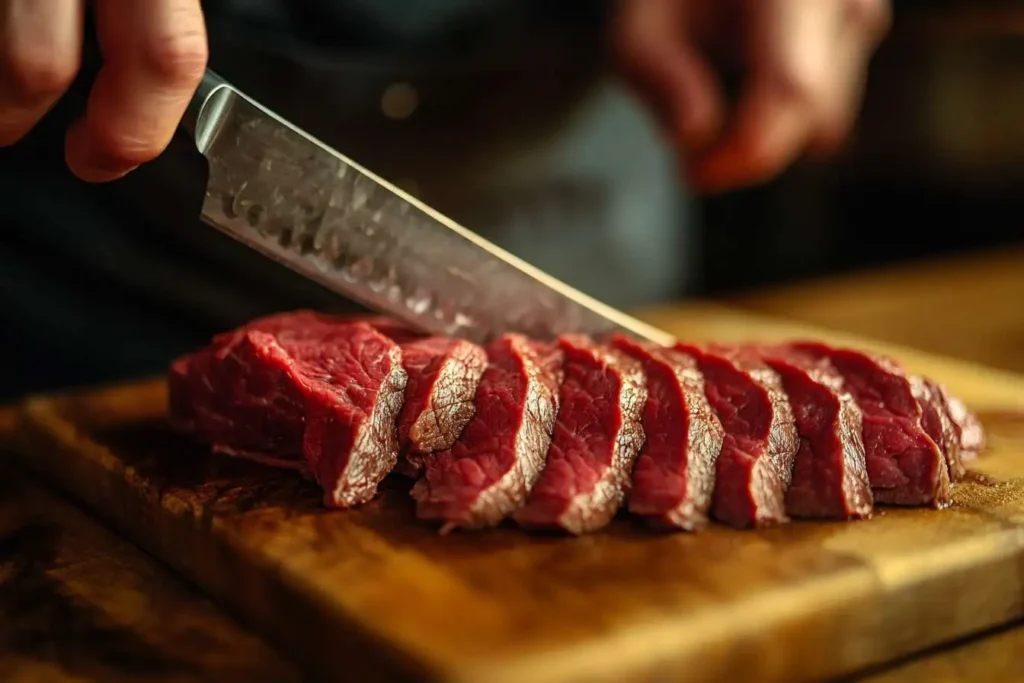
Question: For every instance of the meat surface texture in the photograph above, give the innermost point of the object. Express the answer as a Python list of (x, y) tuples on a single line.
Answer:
[(966, 426), (938, 424), (565, 435), (597, 437), (905, 464), (830, 478), (755, 468), (326, 391), (443, 378), (490, 469), (674, 474)]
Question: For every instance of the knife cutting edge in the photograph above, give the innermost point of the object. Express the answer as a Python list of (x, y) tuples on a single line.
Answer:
[(284, 193)]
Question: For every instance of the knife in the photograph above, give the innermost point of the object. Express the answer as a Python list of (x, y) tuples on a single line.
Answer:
[(284, 193)]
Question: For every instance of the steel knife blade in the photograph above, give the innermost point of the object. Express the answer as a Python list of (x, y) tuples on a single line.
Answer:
[(284, 193)]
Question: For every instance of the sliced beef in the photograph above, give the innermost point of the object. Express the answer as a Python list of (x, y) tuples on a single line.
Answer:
[(830, 477), (354, 385), (906, 465), (497, 459), (755, 467), (966, 425), (597, 437), (938, 424), (674, 474), (314, 388), (443, 378)]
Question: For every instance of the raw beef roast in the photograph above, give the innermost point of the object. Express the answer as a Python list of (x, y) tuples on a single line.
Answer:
[(596, 439), (218, 394), (559, 435), (830, 477), (905, 464), (324, 390), (497, 459), (755, 467), (674, 475), (443, 377)]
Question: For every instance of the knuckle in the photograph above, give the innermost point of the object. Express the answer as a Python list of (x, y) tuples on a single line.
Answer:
[(800, 87), (117, 149), (178, 59), (763, 162), (36, 75)]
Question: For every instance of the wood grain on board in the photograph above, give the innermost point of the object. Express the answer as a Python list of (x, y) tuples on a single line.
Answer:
[(368, 593), (77, 603)]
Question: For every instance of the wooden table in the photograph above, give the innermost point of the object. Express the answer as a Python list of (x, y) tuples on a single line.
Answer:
[(78, 603)]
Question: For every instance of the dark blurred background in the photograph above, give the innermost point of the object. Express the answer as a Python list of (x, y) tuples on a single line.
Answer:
[(507, 120)]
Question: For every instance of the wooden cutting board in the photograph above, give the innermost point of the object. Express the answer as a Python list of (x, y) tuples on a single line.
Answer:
[(371, 594)]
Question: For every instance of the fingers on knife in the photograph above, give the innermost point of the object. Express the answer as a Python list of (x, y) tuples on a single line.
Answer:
[(154, 55), (40, 54)]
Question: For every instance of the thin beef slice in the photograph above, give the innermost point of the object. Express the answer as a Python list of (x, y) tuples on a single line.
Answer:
[(443, 378), (597, 437), (966, 424), (492, 466), (674, 474), (938, 424), (327, 390), (906, 465), (755, 468), (830, 478)]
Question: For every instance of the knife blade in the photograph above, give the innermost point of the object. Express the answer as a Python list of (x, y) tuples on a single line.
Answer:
[(284, 193)]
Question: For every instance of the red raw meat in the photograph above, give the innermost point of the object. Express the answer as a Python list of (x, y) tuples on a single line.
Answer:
[(597, 437), (830, 477), (443, 378), (906, 465), (755, 467), (309, 386), (674, 475), (497, 459)]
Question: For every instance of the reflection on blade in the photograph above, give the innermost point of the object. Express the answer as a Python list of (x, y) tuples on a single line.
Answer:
[(289, 196)]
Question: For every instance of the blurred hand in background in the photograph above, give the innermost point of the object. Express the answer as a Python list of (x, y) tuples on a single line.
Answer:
[(800, 65)]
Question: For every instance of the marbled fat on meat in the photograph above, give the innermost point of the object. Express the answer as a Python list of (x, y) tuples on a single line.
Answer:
[(492, 466), (443, 378), (755, 468), (597, 437), (674, 474)]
